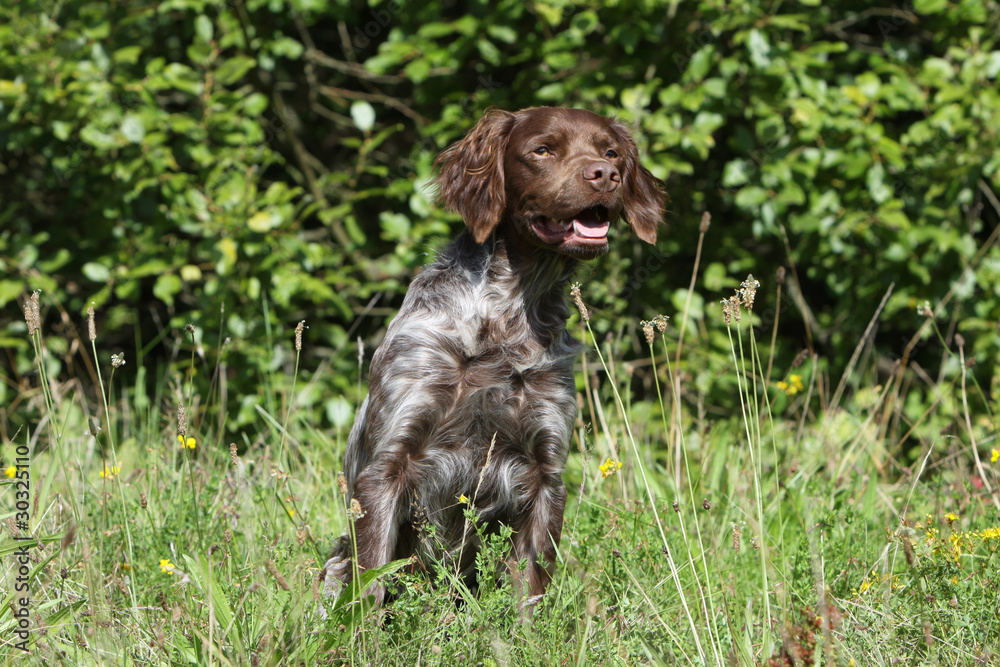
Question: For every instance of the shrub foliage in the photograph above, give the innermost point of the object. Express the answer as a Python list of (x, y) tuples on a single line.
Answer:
[(190, 160)]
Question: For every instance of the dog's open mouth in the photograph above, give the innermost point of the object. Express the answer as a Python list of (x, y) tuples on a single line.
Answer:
[(588, 227)]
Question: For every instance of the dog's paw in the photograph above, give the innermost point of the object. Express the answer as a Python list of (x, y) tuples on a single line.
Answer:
[(334, 572)]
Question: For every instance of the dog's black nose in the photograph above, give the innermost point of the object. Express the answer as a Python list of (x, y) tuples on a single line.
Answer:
[(602, 176)]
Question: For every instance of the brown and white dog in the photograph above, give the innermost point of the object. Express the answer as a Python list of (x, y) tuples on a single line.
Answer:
[(472, 391)]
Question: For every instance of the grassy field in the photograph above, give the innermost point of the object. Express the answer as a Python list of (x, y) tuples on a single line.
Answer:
[(813, 520)]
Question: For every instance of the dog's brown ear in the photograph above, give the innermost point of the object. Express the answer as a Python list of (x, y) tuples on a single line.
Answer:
[(471, 180), (643, 194)]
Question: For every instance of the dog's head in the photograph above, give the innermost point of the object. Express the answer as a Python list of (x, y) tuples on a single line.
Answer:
[(556, 177)]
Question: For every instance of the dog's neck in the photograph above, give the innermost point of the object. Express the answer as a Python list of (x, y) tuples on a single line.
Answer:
[(538, 278)]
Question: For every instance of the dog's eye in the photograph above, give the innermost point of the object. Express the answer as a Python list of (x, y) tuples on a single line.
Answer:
[(611, 154), (543, 151)]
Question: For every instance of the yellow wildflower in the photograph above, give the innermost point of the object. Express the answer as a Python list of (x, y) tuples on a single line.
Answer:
[(166, 566), (989, 534), (464, 499), (609, 467), (994, 455), (793, 386), (951, 517), (189, 443), (110, 472), (11, 472), (291, 512)]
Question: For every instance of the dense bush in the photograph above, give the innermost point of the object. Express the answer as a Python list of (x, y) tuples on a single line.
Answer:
[(246, 165)]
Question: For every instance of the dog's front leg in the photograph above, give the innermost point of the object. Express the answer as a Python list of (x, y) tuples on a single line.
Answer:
[(535, 538)]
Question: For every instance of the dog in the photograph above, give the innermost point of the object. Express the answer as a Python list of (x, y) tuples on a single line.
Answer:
[(472, 392)]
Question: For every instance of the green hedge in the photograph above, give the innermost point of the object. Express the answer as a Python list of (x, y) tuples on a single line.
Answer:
[(246, 165)]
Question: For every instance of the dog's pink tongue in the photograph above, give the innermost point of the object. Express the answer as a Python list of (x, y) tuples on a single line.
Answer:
[(591, 231), (588, 226)]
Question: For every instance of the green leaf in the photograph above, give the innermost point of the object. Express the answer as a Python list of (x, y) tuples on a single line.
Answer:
[(735, 173), (759, 49), (132, 129), (166, 287), (262, 221), (203, 28), (701, 62), (61, 129), (127, 55), (363, 115), (502, 33), (929, 6), (395, 226), (937, 71), (751, 197), (10, 290), (233, 69), (96, 272)]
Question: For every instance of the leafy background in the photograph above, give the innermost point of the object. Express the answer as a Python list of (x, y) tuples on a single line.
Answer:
[(245, 165)]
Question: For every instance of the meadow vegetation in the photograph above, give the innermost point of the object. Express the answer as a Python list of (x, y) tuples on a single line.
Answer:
[(211, 210), (784, 533)]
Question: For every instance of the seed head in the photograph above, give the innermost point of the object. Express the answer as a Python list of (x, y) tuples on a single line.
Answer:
[(280, 578), (117, 360), (342, 483), (660, 321), (727, 312), (31, 313), (355, 512), (91, 327), (298, 335), (737, 531), (233, 456), (780, 275), (647, 330), (578, 300), (907, 548), (734, 302), (706, 220), (748, 290), (182, 420), (69, 537)]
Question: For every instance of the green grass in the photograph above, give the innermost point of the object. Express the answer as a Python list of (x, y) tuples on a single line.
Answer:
[(806, 522)]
